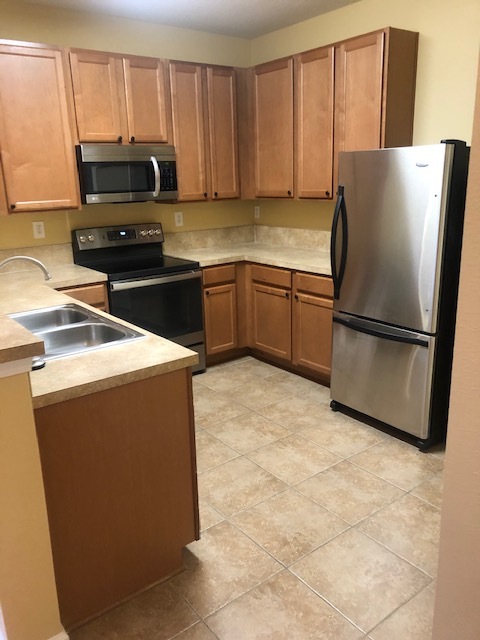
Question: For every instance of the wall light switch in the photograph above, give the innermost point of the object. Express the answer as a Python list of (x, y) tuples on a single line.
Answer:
[(178, 218), (38, 230), (257, 212)]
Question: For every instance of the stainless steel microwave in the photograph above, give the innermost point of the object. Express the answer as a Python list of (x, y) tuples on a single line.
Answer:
[(121, 173)]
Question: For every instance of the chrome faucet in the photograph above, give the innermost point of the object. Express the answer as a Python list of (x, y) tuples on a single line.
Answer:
[(39, 264)]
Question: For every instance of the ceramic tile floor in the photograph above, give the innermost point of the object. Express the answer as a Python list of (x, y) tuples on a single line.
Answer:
[(314, 525)]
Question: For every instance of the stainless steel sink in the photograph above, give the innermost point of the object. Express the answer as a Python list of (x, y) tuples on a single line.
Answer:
[(71, 329), (44, 319)]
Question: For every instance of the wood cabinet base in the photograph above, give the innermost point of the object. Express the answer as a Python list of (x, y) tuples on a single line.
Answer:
[(121, 492)]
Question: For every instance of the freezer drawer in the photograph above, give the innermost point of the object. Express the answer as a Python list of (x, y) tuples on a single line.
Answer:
[(383, 372)]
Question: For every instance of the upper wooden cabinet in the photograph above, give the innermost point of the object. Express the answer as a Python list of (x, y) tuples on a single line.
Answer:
[(205, 131), (120, 98), (36, 141), (314, 99), (375, 90), (273, 129)]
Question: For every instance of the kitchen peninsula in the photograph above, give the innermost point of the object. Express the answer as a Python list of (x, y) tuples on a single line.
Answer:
[(116, 438)]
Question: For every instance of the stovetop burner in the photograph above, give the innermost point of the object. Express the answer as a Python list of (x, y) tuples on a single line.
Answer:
[(122, 252)]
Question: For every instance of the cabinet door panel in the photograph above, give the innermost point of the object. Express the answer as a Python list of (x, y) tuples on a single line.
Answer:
[(273, 129), (222, 116), (271, 321), (146, 99), (35, 135), (359, 93), (99, 96), (221, 318), (312, 332), (314, 123), (188, 130)]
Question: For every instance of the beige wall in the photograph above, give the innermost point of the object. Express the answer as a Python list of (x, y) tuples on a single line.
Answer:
[(458, 584), (28, 597), (448, 50)]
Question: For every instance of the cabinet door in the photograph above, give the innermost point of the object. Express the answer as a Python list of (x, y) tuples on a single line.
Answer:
[(358, 92), (36, 139), (314, 123), (99, 96), (188, 130), (273, 129), (220, 304), (271, 320), (222, 121), (312, 332), (146, 99)]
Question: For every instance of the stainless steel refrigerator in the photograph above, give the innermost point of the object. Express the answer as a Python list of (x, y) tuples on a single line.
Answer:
[(395, 249)]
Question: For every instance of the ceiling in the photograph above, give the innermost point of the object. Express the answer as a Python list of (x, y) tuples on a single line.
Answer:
[(240, 18)]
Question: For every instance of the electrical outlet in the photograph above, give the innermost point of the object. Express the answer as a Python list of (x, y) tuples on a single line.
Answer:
[(178, 218), (38, 230), (257, 212)]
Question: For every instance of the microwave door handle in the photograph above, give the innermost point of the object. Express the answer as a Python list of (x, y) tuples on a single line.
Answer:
[(156, 171)]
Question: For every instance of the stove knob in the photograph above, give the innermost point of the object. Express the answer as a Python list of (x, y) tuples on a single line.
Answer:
[(150, 232), (157, 232), (82, 239), (91, 238), (143, 233)]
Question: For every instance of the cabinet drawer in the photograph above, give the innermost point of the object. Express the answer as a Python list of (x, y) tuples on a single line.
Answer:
[(94, 295), (272, 275), (217, 275), (319, 285)]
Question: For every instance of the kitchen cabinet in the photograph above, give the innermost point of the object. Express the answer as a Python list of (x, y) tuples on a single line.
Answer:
[(36, 139), (120, 484), (220, 309), (93, 294), (204, 116), (270, 315), (314, 100), (312, 322), (273, 129), (120, 98), (375, 90)]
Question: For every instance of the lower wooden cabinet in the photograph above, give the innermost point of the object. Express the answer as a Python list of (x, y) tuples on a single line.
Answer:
[(271, 311), (93, 294), (120, 484), (312, 322), (220, 309), (279, 313)]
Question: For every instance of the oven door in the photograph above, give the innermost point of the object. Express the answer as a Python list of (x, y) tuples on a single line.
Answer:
[(169, 306)]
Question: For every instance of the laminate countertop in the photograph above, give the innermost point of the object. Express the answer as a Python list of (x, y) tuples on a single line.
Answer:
[(315, 261), (77, 375)]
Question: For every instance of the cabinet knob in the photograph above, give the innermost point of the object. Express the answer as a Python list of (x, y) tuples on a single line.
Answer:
[(289, 193), (287, 295), (119, 139), (296, 297), (12, 206), (327, 193), (207, 293), (205, 194), (132, 139), (215, 194)]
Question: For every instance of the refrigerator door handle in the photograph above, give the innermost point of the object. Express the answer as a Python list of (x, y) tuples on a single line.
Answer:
[(395, 336), (339, 213)]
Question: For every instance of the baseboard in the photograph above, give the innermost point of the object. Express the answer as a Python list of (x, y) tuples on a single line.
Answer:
[(63, 635)]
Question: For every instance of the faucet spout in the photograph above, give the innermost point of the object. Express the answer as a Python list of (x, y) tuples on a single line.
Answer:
[(38, 263)]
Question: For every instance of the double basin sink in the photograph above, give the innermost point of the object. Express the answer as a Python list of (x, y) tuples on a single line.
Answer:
[(71, 329)]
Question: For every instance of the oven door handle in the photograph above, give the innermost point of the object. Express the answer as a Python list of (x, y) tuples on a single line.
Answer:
[(150, 282), (156, 171)]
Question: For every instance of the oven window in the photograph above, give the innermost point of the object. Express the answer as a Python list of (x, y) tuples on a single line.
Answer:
[(171, 310), (118, 177)]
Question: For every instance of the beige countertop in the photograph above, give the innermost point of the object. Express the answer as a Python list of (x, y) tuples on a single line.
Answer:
[(313, 261), (77, 375)]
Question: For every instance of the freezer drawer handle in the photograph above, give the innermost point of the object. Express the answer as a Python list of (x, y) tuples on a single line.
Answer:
[(340, 211), (386, 335)]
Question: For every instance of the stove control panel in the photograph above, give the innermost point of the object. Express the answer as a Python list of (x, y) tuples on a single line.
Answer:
[(102, 237)]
